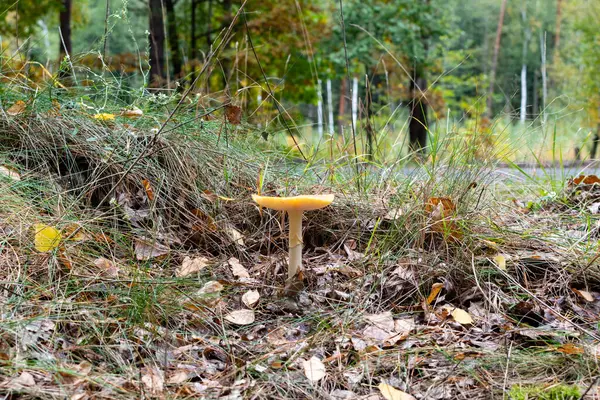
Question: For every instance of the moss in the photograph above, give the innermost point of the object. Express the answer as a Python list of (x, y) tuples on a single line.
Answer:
[(531, 392)]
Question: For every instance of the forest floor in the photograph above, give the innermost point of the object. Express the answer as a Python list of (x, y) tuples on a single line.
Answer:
[(134, 264)]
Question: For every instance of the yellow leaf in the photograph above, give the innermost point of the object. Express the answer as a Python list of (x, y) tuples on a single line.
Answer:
[(500, 262), (104, 117), (47, 238), (17, 108), (435, 290), (570, 348), (461, 316), (391, 393)]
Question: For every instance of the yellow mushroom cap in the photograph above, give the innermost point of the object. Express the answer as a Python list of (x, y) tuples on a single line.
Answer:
[(294, 203)]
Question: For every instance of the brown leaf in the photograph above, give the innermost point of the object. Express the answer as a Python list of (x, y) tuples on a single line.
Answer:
[(17, 108), (154, 380), (132, 113), (148, 189), (107, 267), (238, 269), (250, 298), (586, 180), (391, 393), (570, 348), (25, 379), (587, 296), (233, 114), (146, 249), (191, 266), (241, 317)]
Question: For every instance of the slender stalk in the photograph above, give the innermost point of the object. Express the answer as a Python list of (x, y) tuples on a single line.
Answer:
[(295, 238)]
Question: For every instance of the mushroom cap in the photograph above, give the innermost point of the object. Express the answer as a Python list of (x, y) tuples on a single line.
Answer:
[(294, 203)]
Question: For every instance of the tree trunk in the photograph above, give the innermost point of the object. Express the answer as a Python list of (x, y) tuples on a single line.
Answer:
[(65, 46), (319, 109), (557, 30), (490, 100), (369, 132), (193, 41), (417, 126), (354, 101), (157, 43), (330, 106), (342, 108), (209, 25), (544, 76), (526, 36), (173, 38)]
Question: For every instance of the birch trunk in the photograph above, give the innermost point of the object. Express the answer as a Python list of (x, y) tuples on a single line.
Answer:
[(330, 106), (319, 109), (354, 101)]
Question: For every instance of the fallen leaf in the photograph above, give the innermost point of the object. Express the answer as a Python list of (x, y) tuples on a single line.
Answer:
[(25, 379), (376, 333), (178, 377), (191, 266), (586, 179), (237, 268), (570, 348), (250, 298), (384, 320), (435, 290), (104, 117), (241, 317), (210, 287), (132, 113), (10, 172), (461, 316), (148, 189), (500, 262), (587, 296), (147, 249), (47, 238), (107, 267), (17, 108), (154, 380), (233, 114), (406, 325), (235, 235), (391, 393), (339, 394), (314, 369), (393, 214)]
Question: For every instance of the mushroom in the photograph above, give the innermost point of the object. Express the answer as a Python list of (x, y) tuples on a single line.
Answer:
[(294, 206)]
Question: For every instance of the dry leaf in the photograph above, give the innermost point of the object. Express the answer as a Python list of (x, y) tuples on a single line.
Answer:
[(107, 267), (461, 316), (435, 290), (500, 262), (241, 317), (250, 298), (25, 379), (178, 377), (314, 369), (235, 235), (570, 348), (47, 238), (10, 172), (146, 249), (210, 287), (17, 108), (238, 269), (191, 266), (391, 393), (406, 325), (154, 380), (132, 113), (233, 114), (104, 117), (383, 321), (586, 180), (587, 296), (148, 189)]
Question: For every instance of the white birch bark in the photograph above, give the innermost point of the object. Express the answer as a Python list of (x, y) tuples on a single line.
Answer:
[(354, 101), (330, 106), (319, 109)]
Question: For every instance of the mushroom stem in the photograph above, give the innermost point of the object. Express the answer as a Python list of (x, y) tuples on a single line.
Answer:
[(295, 237)]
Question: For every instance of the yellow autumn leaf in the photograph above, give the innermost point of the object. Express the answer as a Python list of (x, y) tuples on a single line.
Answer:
[(461, 316), (104, 117), (500, 262), (435, 290), (47, 238), (391, 393)]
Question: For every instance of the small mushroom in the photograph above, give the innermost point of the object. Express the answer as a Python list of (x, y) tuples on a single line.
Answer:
[(294, 206)]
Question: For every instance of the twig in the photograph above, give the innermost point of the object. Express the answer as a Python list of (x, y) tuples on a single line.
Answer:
[(594, 383)]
